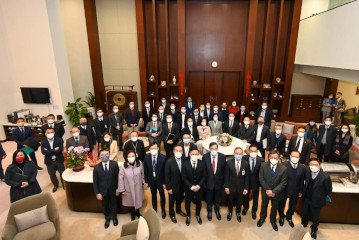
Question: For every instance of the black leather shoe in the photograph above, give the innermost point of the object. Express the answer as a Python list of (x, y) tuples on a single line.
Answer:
[(281, 221), (199, 220), (209, 216), (239, 218), (244, 212), (229, 216), (133, 217), (218, 215), (291, 224), (304, 225), (254, 215), (274, 226), (313, 234), (115, 221), (173, 219), (181, 213), (107, 223), (260, 222), (54, 189), (188, 221), (163, 214)]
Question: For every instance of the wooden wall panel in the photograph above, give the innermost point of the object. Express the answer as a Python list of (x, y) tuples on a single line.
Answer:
[(232, 80), (161, 40), (260, 24), (173, 39), (149, 38)]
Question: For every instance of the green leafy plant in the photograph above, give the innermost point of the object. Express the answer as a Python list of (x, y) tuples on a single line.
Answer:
[(356, 122), (76, 156), (75, 111), (90, 100)]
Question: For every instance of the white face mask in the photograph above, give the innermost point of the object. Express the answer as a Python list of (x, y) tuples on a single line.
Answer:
[(154, 152), (173, 107), (215, 118), (107, 139), (20, 124), (131, 159), (253, 154), (208, 106), (163, 101), (115, 110), (99, 114), (204, 124), (273, 161), (264, 107), (300, 134), (51, 121), (231, 118), (246, 122), (178, 155), (169, 120), (314, 169), (294, 160), (278, 131), (190, 124), (76, 134), (194, 158), (160, 111), (195, 113), (147, 105), (50, 135), (234, 104), (215, 109), (344, 130), (132, 106), (154, 119), (311, 124), (328, 123), (134, 139)]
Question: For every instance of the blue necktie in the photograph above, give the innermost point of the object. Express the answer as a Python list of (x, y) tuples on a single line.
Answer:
[(272, 172)]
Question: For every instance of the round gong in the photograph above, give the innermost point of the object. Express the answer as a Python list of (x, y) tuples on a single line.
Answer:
[(119, 99)]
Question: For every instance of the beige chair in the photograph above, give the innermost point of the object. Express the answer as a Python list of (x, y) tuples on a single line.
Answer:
[(49, 230), (298, 233), (129, 230)]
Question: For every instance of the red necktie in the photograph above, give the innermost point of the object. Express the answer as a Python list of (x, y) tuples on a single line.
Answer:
[(214, 164)]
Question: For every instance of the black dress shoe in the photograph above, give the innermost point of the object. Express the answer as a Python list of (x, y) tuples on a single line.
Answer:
[(163, 214), (199, 220), (133, 218), (274, 226), (115, 221), (54, 189), (304, 225), (291, 224), (188, 220), (181, 213), (244, 212), (313, 234), (229, 216), (209, 216), (254, 215), (260, 222), (173, 219), (218, 215), (281, 221), (107, 223), (238, 215)]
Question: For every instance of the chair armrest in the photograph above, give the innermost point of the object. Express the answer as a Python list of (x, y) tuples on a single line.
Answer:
[(129, 228), (9, 232)]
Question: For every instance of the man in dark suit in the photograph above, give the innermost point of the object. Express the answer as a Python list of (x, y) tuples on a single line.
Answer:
[(116, 125), (262, 136), (254, 166), (317, 187), (241, 114), (231, 126), (135, 145), (173, 111), (197, 119), (154, 168), (164, 104), (76, 140), (208, 112), (147, 113), (273, 180), (173, 182), (264, 112), (191, 130), (105, 179), (294, 189), (326, 140), (302, 144), (154, 130), (236, 182), (20, 134), (202, 113), (277, 140), (216, 111), (246, 131), (58, 127), (215, 164), (186, 146), (170, 133), (193, 178), (182, 119), (101, 125), (132, 117), (190, 106), (224, 111), (161, 115), (88, 131)]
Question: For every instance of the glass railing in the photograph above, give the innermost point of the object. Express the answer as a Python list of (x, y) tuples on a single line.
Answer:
[(311, 8)]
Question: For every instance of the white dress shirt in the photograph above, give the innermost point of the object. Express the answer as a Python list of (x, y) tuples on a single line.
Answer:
[(259, 133), (301, 144), (108, 165), (183, 120)]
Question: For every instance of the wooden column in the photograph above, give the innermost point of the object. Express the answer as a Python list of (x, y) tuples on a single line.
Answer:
[(95, 52), (181, 15)]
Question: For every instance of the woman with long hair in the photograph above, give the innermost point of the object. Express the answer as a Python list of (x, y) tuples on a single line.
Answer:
[(343, 143), (107, 142), (311, 131)]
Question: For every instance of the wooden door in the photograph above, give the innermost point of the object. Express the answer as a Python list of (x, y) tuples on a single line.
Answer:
[(213, 84)]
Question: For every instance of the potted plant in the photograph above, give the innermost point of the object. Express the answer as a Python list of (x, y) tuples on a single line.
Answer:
[(75, 111), (356, 122), (90, 100), (76, 157), (224, 139)]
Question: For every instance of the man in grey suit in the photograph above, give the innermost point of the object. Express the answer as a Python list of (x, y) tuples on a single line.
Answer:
[(154, 130), (215, 125), (77, 140), (273, 179)]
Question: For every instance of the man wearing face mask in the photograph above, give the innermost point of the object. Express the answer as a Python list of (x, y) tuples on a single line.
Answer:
[(173, 181), (301, 144), (170, 133), (76, 140), (273, 179), (339, 109), (105, 179), (164, 104), (101, 126), (161, 115), (154, 130), (241, 114), (202, 114), (187, 146), (264, 112), (326, 140), (231, 126), (147, 113), (262, 136), (224, 111), (215, 125), (173, 111), (208, 111), (294, 189), (327, 106), (277, 140), (182, 119), (317, 187), (88, 131), (215, 165), (135, 145), (116, 125), (58, 127), (197, 119), (191, 130), (216, 111), (154, 168), (246, 130), (193, 177), (254, 166), (132, 117), (236, 182), (52, 148), (190, 106)]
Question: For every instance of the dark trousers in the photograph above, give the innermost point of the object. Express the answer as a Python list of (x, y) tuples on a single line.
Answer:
[(134, 212), (33, 157), (109, 205), (291, 208), (255, 193), (154, 189), (264, 207), (231, 197), (307, 205), (168, 148), (117, 135), (321, 152), (51, 169), (197, 199), (175, 197), (2, 176), (260, 148), (213, 196)]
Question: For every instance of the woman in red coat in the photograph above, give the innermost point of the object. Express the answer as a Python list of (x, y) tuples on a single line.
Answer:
[(233, 108)]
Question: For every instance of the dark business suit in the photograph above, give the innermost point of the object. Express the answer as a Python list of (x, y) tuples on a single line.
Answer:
[(209, 114), (306, 149), (236, 183), (225, 114), (174, 113), (276, 183), (83, 142), (194, 133), (185, 155), (295, 185), (193, 177), (277, 143), (265, 135), (147, 115), (233, 131), (327, 147), (19, 138), (155, 177), (253, 183), (132, 119), (116, 119), (138, 147), (163, 119), (246, 133), (197, 121), (241, 115), (58, 127), (173, 181), (165, 134), (267, 116), (101, 126), (189, 110), (180, 122), (54, 159), (215, 180), (106, 185), (89, 132), (166, 106), (2, 154), (314, 196)]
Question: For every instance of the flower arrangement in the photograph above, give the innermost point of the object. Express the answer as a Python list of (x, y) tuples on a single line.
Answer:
[(92, 161), (224, 139), (76, 157)]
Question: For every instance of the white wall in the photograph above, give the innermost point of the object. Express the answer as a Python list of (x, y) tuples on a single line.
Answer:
[(310, 7), (349, 93), (307, 84)]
